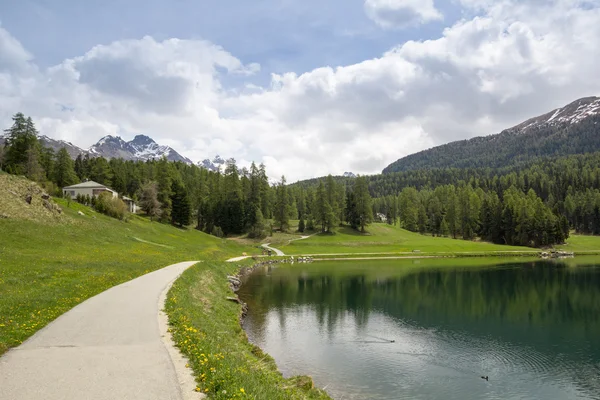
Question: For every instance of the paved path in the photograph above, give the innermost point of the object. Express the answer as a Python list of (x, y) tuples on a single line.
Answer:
[(106, 348), (277, 251), (236, 259)]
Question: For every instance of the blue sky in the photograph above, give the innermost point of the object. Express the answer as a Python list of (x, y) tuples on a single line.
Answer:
[(371, 80), (281, 35)]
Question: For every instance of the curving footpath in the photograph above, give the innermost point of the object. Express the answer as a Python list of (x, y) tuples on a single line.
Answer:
[(273, 249), (108, 347)]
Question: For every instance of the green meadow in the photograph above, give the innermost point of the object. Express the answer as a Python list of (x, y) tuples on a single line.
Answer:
[(46, 269), (389, 239)]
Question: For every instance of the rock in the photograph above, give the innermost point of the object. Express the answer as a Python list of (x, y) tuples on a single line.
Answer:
[(45, 196), (48, 205), (2, 216), (80, 213), (28, 199)]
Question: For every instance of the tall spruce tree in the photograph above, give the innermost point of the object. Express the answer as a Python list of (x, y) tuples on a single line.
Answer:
[(282, 207), (64, 170), (21, 141), (181, 211), (362, 199)]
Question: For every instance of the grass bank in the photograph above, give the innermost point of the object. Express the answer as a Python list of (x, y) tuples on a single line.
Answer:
[(206, 328), (46, 268), (383, 238)]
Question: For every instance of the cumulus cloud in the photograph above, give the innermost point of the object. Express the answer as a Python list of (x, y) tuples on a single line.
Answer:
[(392, 14), (512, 61)]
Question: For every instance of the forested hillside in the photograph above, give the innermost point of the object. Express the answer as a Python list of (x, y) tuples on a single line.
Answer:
[(237, 201), (573, 129)]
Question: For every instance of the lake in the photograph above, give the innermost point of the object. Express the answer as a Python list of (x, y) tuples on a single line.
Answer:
[(430, 329)]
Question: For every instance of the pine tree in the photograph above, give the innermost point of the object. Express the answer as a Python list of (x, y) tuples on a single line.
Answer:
[(20, 139), (100, 171), (282, 207), (232, 207), (64, 171), (47, 160), (362, 199), (164, 185), (181, 212), (444, 229), (33, 168), (323, 212)]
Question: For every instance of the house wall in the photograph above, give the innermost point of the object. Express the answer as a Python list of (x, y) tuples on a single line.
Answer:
[(131, 206), (87, 192)]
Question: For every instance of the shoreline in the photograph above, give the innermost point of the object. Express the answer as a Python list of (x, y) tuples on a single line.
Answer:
[(205, 322)]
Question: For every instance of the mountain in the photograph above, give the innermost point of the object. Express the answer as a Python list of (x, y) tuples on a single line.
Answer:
[(214, 165), (145, 148), (141, 148), (349, 175), (56, 145), (573, 129)]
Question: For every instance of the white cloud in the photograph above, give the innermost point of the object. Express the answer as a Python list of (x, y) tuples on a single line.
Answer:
[(483, 74), (390, 14)]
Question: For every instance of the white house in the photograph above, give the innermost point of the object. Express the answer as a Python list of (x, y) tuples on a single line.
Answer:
[(131, 206), (89, 188)]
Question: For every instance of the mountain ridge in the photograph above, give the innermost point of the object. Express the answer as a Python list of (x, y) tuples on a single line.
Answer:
[(572, 129), (140, 148)]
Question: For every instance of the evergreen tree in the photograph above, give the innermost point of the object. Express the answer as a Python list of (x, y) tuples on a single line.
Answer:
[(164, 185), (232, 208), (64, 171), (362, 199), (323, 213), (282, 207), (100, 171), (21, 137), (181, 207), (301, 225), (47, 161), (33, 168)]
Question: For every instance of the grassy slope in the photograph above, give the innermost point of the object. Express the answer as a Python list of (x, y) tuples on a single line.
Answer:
[(383, 238), (582, 244), (46, 269), (207, 330)]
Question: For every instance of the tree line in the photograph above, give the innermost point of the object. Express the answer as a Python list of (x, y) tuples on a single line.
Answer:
[(233, 201), (514, 218)]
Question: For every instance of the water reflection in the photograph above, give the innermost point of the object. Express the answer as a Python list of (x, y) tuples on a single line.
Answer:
[(532, 327)]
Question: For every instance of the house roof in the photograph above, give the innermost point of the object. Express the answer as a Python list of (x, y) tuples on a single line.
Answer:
[(88, 185), (127, 198)]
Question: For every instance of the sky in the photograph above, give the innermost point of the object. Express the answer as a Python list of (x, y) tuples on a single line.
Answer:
[(306, 87)]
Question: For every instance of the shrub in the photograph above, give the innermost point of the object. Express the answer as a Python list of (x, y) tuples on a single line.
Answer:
[(111, 206), (217, 231)]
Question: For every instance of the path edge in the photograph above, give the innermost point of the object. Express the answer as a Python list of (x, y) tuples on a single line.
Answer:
[(185, 376)]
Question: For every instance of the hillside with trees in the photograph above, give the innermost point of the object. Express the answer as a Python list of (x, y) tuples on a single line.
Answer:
[(233, 202), (535, 203), (573, 129)]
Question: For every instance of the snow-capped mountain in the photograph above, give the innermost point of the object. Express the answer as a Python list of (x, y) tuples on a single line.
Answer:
[(572, 113), (112, 147), (140, 148), (56, 145), (215, 165), (349, 175), (572, 129), (146, 148)]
